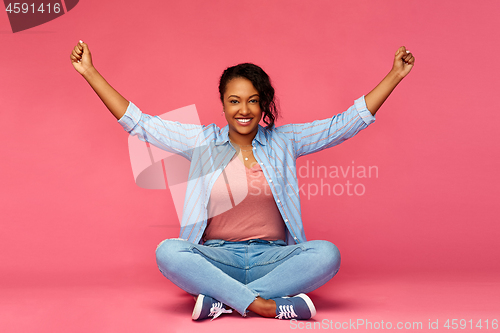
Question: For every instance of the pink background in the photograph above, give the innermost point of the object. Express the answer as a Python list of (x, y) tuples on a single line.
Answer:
[(78, 235)]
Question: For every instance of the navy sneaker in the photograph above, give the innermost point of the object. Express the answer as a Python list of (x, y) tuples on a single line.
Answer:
[(297, 307), (206, 307)]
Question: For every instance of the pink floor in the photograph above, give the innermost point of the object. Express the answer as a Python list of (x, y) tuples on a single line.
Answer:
[(153, 304)]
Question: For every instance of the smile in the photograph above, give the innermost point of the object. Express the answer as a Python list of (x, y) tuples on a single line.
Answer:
[(243, 121)]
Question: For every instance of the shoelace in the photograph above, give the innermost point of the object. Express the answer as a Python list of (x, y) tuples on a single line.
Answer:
[(217, 309), (286, 312)]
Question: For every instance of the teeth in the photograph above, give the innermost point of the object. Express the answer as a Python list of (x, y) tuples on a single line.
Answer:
[(243, 120)]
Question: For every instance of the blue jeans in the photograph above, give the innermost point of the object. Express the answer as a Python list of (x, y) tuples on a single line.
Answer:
[(235, 273)]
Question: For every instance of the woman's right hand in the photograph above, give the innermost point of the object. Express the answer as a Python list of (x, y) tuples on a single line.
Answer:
[(81, 58)]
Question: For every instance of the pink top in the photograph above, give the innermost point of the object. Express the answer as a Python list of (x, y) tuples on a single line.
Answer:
[(242, 207)]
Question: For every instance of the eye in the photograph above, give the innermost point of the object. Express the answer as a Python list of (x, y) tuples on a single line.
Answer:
[(233, 101), (254, 101)]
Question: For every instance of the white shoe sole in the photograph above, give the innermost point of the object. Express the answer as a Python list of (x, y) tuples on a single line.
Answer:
[(309, 303), (198, 307)]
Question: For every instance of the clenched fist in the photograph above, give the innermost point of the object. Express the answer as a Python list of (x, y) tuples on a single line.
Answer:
[(81, 58), (403, 62)]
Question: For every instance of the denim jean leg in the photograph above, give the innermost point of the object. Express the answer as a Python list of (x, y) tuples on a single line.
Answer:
[(192, 267), (306, 268)]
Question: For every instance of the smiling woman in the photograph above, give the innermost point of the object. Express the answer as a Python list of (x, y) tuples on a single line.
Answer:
[(261, 85), (241, 250), (247, 96), (242, 110)]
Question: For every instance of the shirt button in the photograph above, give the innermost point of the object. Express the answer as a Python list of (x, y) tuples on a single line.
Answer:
[(278, 200), (270, 180), (254, 147), (295, 238), (286, 220)]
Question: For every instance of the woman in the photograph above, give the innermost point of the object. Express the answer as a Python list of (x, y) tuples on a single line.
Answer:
[(248, 252)]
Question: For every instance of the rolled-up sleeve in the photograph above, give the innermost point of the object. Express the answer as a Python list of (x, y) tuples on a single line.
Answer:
[(364, 113), (131, 117)]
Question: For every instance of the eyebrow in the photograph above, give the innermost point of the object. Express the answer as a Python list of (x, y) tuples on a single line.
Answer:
[(239, 96)]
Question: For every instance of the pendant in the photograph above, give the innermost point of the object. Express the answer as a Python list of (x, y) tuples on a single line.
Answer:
[(246, 158)]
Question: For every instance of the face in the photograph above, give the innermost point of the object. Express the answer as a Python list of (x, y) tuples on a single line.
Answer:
[(242, 110)]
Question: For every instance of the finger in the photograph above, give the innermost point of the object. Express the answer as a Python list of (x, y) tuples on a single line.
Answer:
[(85, 47), (402, 49), (400, 55), (79, 48), (76, 54), (407, 54), (77, 51), (408, 57), (409, 61)]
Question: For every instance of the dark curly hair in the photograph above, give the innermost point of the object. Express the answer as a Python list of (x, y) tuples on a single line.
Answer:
[(262, 84)]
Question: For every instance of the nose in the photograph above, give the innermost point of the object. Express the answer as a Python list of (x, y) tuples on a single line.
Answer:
[(244, 109)]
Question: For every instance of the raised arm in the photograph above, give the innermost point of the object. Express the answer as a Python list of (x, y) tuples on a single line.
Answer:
[(82, 61), (403, 63)]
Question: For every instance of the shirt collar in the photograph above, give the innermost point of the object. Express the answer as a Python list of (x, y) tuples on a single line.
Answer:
[(223, 137)]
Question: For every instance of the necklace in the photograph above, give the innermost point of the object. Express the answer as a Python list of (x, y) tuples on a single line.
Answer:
[(245, 150), (242, 150)]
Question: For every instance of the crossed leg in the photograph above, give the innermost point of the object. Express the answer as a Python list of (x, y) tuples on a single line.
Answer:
[(247, 276)]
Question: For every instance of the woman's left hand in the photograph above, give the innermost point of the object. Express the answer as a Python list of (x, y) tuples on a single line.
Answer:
[(403, 62)]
